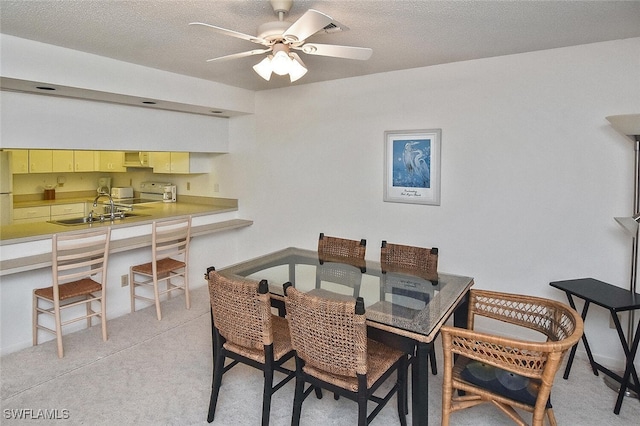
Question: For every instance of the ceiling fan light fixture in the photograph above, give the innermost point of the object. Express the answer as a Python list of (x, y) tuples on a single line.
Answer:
[(264, 68), (281, 62), (297, 71)]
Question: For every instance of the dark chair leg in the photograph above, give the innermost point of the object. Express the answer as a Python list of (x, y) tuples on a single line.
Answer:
[(266, 398), (362, 408), (218, 369), (403, 404), (297, 401)]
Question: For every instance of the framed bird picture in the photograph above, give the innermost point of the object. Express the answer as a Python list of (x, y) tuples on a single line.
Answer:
[(412, 166)]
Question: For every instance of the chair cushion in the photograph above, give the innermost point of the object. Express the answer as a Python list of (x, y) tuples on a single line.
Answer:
[(505, 383)]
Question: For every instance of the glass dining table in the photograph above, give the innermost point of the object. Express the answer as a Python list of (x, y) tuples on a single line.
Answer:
[(403, 308)]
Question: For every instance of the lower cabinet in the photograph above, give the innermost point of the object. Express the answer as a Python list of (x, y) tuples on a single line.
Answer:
[(31, 214), (45, 213)]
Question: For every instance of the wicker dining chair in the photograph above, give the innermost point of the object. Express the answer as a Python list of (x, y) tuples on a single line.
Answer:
[(329, 336), (170, 262), (508, 372), (333, 249), (79, 278), (245, 330), (402, 258), (411, 260)]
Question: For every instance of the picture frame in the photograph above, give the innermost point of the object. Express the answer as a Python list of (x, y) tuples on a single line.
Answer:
[(412, 166)]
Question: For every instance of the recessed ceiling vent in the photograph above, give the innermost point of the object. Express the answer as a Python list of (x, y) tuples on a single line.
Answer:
[(334, 27)]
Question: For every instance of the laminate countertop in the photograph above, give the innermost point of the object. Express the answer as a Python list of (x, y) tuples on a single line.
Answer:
[(20, 233), (28, 246)]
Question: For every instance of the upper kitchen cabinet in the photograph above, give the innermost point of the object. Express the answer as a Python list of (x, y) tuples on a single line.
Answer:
[(19, 161), (84, 161), (180, 162), (40, 161), (111, 161), (62, 161)]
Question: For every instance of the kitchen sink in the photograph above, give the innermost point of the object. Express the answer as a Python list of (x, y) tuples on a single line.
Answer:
[(95, 219)]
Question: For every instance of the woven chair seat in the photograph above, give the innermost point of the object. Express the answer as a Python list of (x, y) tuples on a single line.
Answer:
[(281, 343), (164, 266), (380, 358), (71, 290)]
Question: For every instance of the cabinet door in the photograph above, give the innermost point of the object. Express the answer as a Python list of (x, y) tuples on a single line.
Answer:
[(84, 161), (40, 161), (31, 214), (67, 210), (111, 161), (62, 161), (19, 161), (160, 161), (179, 162)]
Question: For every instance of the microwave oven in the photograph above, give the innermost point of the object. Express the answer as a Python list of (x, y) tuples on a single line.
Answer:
[(136, 159)]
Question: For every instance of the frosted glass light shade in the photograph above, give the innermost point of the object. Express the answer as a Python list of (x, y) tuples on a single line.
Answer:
[(281, 63), (297, 70), (264, 68)]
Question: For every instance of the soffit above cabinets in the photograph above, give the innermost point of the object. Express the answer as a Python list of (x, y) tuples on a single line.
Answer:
[(46, 89)]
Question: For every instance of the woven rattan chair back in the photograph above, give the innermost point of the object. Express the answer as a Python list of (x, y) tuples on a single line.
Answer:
[(242, 314), (332, 249), (417, 260), (79, 278), (169, 264), (329, 335), (244, 329), (537, 361)]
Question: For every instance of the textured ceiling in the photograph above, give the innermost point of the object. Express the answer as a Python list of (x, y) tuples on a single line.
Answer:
[(403, 34)]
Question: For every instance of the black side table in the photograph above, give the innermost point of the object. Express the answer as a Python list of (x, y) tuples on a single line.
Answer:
[(615, 299)]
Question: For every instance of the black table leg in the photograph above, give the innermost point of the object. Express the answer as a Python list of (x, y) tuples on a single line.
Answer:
[(630, 369), (420, 385), (572, 354)]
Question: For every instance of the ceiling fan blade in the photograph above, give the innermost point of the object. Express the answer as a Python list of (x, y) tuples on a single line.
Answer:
[(232, 33), (239, 55), (308, 24), (347, 52)]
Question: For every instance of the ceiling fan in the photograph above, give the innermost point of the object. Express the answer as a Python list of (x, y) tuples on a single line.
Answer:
[(281, 37)]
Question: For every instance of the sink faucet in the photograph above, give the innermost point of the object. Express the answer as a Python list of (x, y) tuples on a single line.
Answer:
[(104, 194)]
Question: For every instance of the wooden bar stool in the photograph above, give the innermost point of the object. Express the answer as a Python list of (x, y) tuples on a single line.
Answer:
[(170, 261), (79, 277)]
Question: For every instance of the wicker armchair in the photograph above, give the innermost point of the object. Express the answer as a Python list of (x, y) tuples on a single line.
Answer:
[(244, 329), (79, 278), (510, 373), (329, 335)]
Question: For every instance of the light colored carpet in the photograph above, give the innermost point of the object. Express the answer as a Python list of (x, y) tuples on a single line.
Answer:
[(159, 372)]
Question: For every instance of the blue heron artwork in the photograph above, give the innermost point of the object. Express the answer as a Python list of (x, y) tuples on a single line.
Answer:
[(412, 163)]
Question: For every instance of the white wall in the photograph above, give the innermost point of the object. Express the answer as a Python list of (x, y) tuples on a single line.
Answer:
[(532, 173)]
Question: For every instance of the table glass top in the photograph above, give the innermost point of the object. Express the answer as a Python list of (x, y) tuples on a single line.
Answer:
[(400, 300)]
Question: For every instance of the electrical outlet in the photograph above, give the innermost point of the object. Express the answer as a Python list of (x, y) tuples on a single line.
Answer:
[(124, 280), (216, 187), (188, 186)]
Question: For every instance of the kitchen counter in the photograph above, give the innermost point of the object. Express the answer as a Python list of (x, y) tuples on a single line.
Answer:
[(28, 246)]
